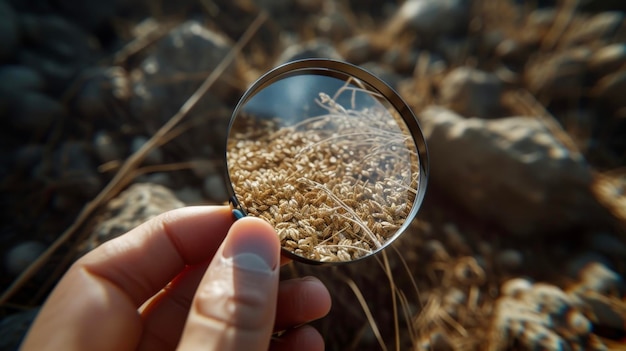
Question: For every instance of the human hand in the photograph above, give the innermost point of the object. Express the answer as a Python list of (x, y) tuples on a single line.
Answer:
[(179, 281)]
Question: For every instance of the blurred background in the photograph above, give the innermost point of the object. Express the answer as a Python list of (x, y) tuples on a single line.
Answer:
[(520, 243)]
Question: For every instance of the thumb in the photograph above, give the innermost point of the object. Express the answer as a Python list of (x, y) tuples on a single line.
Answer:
[(235, 304)]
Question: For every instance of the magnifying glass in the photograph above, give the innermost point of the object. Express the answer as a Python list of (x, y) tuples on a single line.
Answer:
[(330, 156)]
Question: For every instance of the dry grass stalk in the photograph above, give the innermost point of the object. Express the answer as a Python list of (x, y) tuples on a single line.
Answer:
[(368, 313), (336, 187)]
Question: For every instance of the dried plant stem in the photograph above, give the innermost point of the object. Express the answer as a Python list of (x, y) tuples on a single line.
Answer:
[(394, 301), (169, 167), (368, 313), (353, 216), (563, 20), (142, 42), (122, 177)]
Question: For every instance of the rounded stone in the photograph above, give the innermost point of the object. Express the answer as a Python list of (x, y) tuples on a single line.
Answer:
[(58, 38), (215, 188), (28, 157), (432, 18), (9, 31), (357, 49), (19, 78), (189, 195), (22, 255), (35, 111), (471, 92), (105, 147)]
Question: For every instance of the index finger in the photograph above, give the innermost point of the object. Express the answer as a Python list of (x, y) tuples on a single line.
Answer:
[(143, 261)]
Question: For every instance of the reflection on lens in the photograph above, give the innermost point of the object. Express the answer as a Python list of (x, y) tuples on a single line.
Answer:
[(328, 161)]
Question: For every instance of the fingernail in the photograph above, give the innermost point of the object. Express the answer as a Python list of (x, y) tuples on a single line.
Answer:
[(252, 250)]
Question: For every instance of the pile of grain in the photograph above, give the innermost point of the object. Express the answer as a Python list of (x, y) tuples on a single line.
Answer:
[(336, 187)]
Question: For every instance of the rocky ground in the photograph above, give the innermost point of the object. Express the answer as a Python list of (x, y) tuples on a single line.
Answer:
[(519, 244)]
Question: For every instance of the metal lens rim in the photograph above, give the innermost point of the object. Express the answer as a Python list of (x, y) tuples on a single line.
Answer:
[(341, 70)]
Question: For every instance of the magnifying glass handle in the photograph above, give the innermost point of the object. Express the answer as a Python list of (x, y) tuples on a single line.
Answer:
[(238, 213)]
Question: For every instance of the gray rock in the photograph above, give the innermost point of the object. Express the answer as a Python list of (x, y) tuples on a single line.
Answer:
[(89, 15), (175, 68), (357, 49), (58, 37), (20, 256), (215, 188), (106, 147), (401, 59), (511, 171), (608, 59), (431, 19), (34, 111), (319, 48), (132, 207), (74, 171), (472, 92), (13, 328), (542, 317), (104, 89), (19, 78), (72, 156), (28, 159), (190, 196), (453, 49), (9, 31), (57, 74)]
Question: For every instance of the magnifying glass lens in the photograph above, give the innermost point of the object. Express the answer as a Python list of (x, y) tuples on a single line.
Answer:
[(327, 159)]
